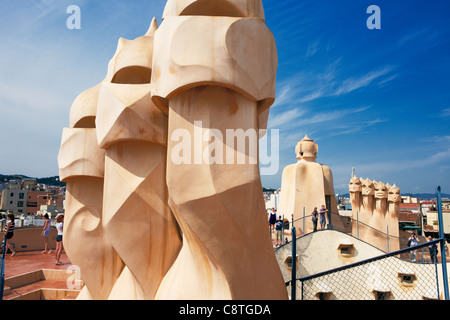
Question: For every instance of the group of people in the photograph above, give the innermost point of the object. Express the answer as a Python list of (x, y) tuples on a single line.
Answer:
[(432, 248), (319, 215), (277, 224), (9, 234)]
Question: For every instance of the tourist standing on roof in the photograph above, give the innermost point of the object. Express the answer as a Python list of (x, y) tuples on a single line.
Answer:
[(45, 233), (272, 219), (279, 231), (59, 238), (323, 220), (315, 217), (9, 230)]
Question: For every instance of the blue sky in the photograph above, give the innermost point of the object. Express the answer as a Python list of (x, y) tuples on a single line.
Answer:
[(376, 100)]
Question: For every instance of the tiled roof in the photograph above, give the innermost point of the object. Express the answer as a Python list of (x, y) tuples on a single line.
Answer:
[(406, 215), (409, 205), (427, 227)]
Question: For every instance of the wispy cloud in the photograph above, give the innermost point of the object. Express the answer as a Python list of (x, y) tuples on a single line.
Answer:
[(389, 166), (283, 118), (352, 84), (354, 127), (445, 113), (297, 122), (438, 156), (329, 116), (307, 86), (412, 36), (433, 166), (312, 49)]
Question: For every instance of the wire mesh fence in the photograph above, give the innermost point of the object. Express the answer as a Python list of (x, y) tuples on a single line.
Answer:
[(386, 277), (409, 269), (352, 227)]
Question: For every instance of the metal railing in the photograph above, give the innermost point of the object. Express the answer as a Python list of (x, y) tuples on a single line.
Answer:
[(388, 276), (300, 225), (2, 272), (380, 278), (27, 222)]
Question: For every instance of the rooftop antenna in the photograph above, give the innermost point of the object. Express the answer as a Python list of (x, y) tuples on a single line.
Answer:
[(353, 172)]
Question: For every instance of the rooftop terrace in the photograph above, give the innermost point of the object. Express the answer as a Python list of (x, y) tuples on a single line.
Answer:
[(34, 275)]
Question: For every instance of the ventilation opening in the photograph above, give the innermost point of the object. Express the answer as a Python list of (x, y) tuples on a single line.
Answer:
[(218, 8), (323, 291), (382, 295), (323, 295), (428, 298), (86, 122), (407, 279), (288, 262), (133, 75), (346, 249), (430, 294)]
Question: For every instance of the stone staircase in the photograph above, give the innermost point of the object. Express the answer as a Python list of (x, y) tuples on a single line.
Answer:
[(43, 284)]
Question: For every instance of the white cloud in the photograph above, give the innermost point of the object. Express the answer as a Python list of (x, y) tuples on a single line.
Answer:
[(353, 127), (445, 113), (312, 49), (352, 84), (283, 118), (308, 86), (330, 116)]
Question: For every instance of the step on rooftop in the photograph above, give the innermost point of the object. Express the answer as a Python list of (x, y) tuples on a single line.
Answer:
[(35, 276)]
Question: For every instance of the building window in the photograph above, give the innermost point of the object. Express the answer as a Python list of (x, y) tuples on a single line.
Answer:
[(21, 195), (12, 194), (20, 204)]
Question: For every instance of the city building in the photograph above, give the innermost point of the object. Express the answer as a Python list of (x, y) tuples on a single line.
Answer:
[(25, 197), (14, 198)]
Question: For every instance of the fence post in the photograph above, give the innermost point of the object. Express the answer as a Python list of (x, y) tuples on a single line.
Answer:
[(2, 270), (357, 222), (442, 242), (329, 215), (294, 265), (387, 237), (303, 232)]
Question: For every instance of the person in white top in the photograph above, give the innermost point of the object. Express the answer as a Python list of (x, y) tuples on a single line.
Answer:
[(59, 243)]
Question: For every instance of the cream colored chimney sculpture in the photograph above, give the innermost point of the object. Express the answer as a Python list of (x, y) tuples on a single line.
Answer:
[(170, 230), (305, 185), (214, 69), (81, 163), (375, 209), (133, 132)]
